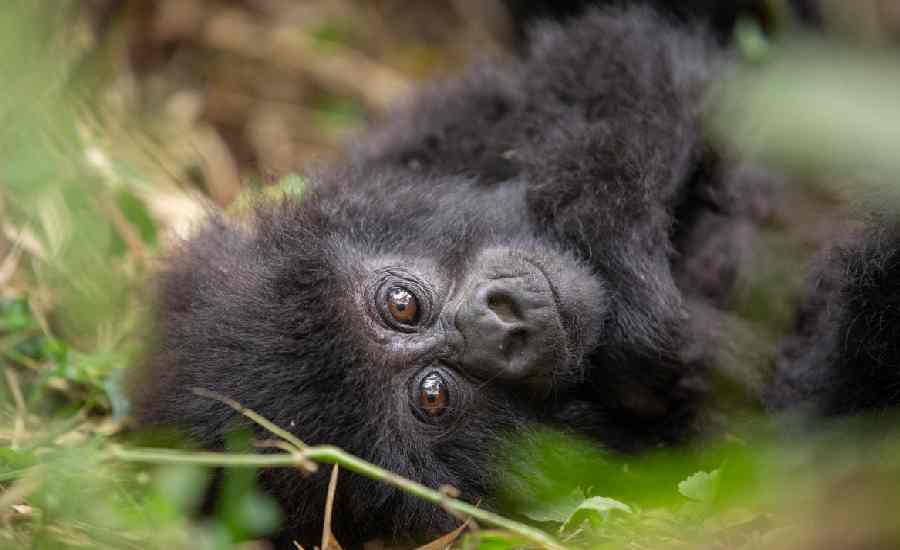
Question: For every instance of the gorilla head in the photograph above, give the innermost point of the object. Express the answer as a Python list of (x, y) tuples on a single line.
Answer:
[(524, 245), (410, 328)]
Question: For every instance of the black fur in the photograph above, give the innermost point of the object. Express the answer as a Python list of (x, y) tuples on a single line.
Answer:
[(720, 17), (586, 156), (844, 357)]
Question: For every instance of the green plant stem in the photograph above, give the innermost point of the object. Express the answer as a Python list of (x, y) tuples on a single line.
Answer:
[(254, 416), (333, 455)]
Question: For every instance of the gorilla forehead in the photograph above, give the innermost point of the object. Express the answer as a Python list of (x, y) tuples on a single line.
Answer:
[(404, 211)]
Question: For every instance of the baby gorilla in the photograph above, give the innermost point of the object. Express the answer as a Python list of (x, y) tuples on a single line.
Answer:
[(544, 242)]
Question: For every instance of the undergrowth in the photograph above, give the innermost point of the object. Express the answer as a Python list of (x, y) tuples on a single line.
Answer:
[(85, 208)]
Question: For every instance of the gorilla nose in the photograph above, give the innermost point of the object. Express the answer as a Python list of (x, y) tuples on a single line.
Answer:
[(511, 328)]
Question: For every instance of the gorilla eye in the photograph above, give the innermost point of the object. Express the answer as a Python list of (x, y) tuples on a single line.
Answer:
[(402, 305), (434, 397)]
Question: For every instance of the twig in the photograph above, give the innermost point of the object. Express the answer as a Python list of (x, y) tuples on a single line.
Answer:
[(124, 229), (262, 421), (9, 264), (291, 443), (275, 444), (330, 455), (444, 541), (223, 460), (328, 540), (333, 455)]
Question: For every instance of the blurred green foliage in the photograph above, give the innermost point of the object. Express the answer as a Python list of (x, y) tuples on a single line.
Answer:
[(821, 109), (79, 215), (58, 190)]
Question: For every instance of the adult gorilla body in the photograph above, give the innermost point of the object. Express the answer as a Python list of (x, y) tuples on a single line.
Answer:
[(547, 241)]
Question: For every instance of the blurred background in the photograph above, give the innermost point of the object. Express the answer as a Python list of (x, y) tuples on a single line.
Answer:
[(124, 121), (264, 87)]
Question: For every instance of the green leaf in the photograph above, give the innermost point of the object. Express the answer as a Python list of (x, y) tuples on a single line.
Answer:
[(90, 369), (15, 315), (558, 510), (182, 486), (495, 540), (335, 115), (242, 508), (292, 184), (701, 486), (258, 514), (13, 462), (597, 510), (751, 40), (331, 35), (135, 211), (117, 394)]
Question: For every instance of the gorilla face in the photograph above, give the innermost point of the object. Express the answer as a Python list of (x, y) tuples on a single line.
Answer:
[(523, 246), (415, 346), (509, 315)]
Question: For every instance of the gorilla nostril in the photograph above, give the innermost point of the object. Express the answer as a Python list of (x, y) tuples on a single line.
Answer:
[(509, 328), (504, 307)]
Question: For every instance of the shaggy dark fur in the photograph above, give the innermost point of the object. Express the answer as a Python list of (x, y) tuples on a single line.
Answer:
[(845, 355), (586, 160), (719, 16)]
